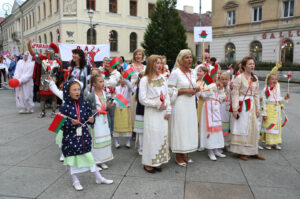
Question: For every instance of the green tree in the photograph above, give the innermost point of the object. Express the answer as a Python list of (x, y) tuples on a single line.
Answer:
[(165, 34)]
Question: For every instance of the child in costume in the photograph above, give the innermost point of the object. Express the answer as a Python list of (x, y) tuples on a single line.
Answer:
[(101, 146), (211, 135), (122, 115), (76, 143), (272, 103), (225, 114), (139, 118), (201, 71)]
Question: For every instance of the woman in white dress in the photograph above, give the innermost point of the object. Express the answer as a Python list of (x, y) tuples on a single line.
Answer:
[(153, 94), (184, 127)]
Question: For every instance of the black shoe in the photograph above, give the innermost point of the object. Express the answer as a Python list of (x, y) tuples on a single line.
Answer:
[(158, 169), (150, 171)]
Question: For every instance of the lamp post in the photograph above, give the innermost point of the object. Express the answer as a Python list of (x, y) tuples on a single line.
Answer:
[(6, 7), (91, 12), (199, 24)]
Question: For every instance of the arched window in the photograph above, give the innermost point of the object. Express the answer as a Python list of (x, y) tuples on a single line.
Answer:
[(133, 41), (256, 50), (114, 41), (91, 36), (230, 52), (287, 53), (51, 37), (45, 38)]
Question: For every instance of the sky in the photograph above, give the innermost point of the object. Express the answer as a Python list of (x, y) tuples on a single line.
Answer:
[(206, 5)]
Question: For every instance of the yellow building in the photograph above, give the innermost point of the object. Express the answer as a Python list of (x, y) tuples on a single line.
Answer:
[(257, 28), (42, 20)]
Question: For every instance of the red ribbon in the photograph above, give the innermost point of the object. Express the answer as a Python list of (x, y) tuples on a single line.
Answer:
[(66, 74)]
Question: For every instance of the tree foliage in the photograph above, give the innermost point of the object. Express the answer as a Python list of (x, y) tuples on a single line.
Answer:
[(165, 34)]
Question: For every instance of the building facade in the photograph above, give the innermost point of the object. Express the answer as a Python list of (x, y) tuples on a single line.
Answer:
[(258, 28), (78, 21)]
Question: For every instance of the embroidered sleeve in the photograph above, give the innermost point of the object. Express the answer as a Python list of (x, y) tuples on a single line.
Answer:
[(256, 95), (144, 99), (235, 93), (172, 83)]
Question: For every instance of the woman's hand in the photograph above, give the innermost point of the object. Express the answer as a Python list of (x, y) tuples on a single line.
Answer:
[(235, 114), (257, 113), (91, 120), (198, 89), (166, 117), (264, 118), (75, 122), (50, 78)]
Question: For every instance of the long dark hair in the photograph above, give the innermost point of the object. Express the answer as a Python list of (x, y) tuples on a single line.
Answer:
[(244, 63), (236, 68), (82, 62)]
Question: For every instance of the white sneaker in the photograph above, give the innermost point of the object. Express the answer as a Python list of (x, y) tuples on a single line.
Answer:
[(77, 186), (62, 158), (117, 145), (268, 147), (260, 147), (22, 111), (104, 181), (128, 143), (201, 149), (220, 154), (104, 166), (278, 147), (140, 151), (212, 156)]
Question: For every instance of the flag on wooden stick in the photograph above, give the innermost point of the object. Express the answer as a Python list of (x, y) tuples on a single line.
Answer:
[(121, 100), (57, 123)]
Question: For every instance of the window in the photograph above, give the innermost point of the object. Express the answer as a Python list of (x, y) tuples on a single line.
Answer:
[(91, 4), (257, 14), (151, 7), (256, 50), (91, 36), (231, 18), (45, 38), (229, 52), (114, 41), (113, 6), (133, 8), (51, 37), (39, 10), (40, 39), (44, 6), (57, 5), (288, 8), (50, 7), (29, 21), (133, 41), (287, 53)]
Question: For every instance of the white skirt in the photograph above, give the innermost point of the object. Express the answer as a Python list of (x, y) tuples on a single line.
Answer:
[(184, 125), (155, 138)]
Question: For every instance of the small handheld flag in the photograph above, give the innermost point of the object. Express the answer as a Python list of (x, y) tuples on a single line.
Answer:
[(57, 123), (207, 79), (284, 44), (270, 126), (128, 73), (121, 100), (214, 71), (267, 92), (114, 62), (248, 104), (289, 76)]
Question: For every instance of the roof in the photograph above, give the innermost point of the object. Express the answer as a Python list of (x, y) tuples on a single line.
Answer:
[(1, 19), (190, 20)]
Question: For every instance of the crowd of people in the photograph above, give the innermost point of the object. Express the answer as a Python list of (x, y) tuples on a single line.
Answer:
[(187, 110)]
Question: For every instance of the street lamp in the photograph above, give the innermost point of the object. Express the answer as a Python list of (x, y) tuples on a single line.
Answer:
[(199, 24), (6, 7), (91, 12)]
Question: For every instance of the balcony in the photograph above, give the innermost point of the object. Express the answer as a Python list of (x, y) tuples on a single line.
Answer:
[(16, 36)]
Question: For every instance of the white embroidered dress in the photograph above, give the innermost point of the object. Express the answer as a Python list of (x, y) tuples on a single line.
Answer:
[(155, 138)]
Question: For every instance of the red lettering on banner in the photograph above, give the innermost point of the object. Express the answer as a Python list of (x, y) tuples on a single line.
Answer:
[(93, 48), (78, 47), (272, 36), (290, 33), (281, 35), (264, 36), (86, 48)]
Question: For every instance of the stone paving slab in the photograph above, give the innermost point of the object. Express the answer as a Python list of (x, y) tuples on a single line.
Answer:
[(63, 188), (271, 193), (27, 182), (137, 187), (202, 190)]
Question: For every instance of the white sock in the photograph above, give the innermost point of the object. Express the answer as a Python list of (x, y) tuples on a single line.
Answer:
[(210, 151), (216, 151), (128, 141), (116, 141), (74, 178), (98, 175)]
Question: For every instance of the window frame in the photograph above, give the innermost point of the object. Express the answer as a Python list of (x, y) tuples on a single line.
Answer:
[(234, 55), (231, 20), (258, 13), (152, 9), (114, 39), (289, 8), (50, 7), (133, 44), (131, 10), (89, 4), (259, 52), (113, 6)]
